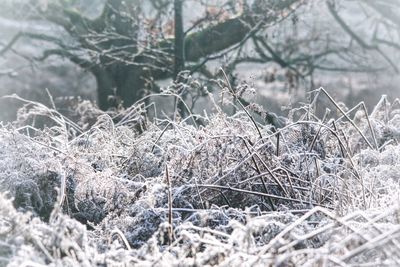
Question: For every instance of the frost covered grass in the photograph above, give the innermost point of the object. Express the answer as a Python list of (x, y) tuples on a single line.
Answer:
[(116, 189)]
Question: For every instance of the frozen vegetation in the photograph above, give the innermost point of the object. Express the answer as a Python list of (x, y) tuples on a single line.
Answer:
[(118, 189)]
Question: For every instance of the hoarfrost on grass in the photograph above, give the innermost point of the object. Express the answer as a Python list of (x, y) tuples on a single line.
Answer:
[(94, 191)]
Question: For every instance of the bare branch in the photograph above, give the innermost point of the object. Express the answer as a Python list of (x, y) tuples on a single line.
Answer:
[(388, 43), (357, 38), (347, 28), (275, 56), (385, 10), (65, 53), (219, 37), (10, 44)]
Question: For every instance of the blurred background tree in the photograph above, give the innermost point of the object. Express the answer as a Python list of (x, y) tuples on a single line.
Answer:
[(123, 49)]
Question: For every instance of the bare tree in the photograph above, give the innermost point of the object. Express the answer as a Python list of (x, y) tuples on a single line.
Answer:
[(133, 43)]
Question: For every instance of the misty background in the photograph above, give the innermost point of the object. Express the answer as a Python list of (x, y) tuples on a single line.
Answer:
[(360, 74)]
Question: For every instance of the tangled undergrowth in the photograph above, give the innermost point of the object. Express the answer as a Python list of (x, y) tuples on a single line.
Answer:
[(116, 189)]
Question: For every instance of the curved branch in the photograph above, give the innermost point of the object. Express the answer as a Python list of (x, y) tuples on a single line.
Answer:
[(65, 53), (275, 56), (347, 28), (215, 38), (230, 32)]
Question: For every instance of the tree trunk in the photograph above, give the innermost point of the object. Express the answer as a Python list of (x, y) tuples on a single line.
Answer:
[(179, 51), (105, 85), (128, 82), (125, 82), (131, 84)]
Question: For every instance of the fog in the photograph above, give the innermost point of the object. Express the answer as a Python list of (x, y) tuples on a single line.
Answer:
[(22, 74)]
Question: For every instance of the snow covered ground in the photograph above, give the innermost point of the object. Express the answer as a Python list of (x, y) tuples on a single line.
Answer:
[(118, 189)]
